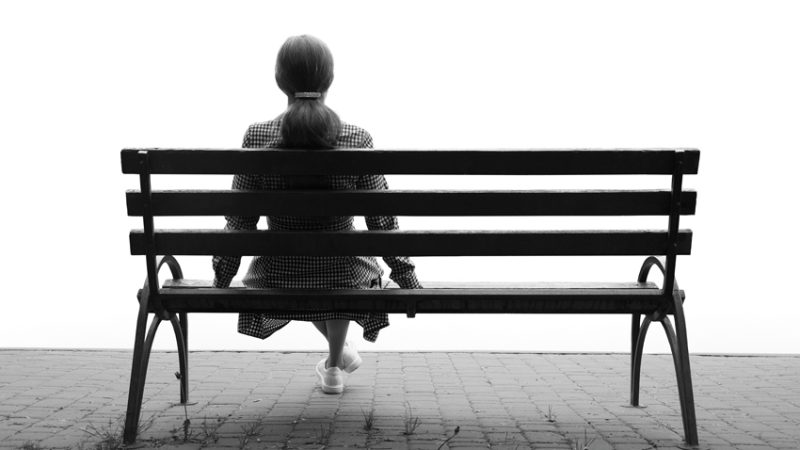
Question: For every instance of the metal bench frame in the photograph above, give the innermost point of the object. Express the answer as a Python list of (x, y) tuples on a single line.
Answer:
[(176, 298)]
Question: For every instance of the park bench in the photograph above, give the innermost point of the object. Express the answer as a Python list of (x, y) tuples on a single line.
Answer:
[(643, 300)]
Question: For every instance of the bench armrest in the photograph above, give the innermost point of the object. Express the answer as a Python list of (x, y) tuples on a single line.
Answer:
[(173, 265), (174, 268), (648, 264)]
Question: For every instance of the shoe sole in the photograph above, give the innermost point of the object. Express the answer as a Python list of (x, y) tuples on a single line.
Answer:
[(332, 389)]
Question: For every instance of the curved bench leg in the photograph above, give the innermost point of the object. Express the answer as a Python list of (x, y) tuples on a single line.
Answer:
[(134, 407), (679, 346), (636, 323), (142, 345), (673, 346), (180, 329), (639, 332), (185, 327), (636, 360), (141, 359), (680, 358), (684, 372)]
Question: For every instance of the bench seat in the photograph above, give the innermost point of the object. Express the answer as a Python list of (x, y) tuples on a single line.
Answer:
[(186, 295)]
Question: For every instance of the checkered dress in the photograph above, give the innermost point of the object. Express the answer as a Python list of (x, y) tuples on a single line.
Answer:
[(319, 272)]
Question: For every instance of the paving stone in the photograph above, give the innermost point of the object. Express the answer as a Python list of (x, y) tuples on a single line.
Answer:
[(497, 399)]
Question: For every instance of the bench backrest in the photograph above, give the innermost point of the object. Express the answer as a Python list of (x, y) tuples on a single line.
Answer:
[(669, 241)]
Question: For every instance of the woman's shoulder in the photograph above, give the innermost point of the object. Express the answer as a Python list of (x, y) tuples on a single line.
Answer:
[(263, 134), (352, 136), (268, 134)]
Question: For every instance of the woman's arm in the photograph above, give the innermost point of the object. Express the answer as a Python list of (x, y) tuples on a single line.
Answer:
[(402, 267), (226, 267)]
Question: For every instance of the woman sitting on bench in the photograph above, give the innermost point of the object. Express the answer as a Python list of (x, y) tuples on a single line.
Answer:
[(304, 72)]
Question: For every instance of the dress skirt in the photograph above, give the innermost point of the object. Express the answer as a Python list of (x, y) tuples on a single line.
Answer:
[(263, 326)]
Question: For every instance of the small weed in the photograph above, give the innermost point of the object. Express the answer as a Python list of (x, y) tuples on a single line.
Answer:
[(250, 431), (584, 444), (204, 435), (110, 436), (411, 422), (369, 418), (186, 427), (324, 434), (550, 416), (455, 432), (186, 423), (207, 435)]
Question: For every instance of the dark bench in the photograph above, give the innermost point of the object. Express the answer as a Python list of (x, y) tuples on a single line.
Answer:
[(176, 298)]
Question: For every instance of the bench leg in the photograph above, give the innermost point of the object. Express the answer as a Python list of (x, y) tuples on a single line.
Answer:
[(141, 358), (679, 346), (185, 327), (141, 353), (673, 346), (134, 407), (636, 356), (683, 371), (680, 358), (181, 335), (636, 322), (639, 332)]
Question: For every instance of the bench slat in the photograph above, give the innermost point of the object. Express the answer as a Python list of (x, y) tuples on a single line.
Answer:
[(464, 162), (456, 300), (409, 243), (408, 203), (185, 283), (437, 297)]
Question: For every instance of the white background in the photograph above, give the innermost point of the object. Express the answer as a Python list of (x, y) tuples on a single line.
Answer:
[(82, 80)]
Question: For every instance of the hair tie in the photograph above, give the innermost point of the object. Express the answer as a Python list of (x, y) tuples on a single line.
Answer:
[(307, 95)]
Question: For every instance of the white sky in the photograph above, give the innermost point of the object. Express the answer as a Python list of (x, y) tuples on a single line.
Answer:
[(81, 80)]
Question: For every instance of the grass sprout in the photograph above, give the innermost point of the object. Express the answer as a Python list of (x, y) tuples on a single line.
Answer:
[(250, 431), (369, 419), (324, 434), (455, 432), (584, 444), (550, 416), (411, 422)]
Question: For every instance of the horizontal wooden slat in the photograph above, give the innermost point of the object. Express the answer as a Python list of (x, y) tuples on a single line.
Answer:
[(409, 203), (455, 300), (534, 285), (409, 243), (355, 161)]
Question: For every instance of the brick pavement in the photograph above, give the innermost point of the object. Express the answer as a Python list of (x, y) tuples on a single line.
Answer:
[(76, 399)]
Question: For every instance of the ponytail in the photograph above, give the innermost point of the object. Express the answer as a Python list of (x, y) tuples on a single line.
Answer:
[(309, 123), (305, 65)]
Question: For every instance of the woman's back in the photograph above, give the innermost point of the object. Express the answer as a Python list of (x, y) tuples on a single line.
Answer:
[(268, 135), (304, 72)]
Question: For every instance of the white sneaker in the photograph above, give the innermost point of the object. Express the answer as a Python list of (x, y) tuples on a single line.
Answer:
[(331, 379), (350, 357)]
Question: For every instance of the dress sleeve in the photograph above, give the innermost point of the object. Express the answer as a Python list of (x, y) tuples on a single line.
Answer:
[(226, 267), (402, 268)]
